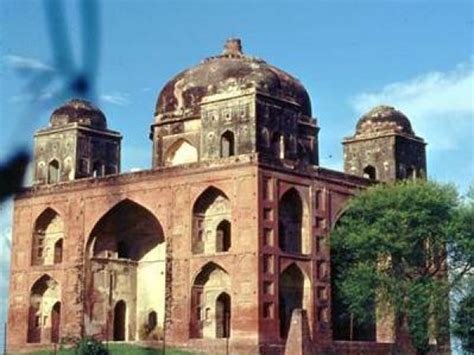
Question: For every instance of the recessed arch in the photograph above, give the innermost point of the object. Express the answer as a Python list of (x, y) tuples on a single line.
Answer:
[(180, 152), (210, 315), (47, 231), (227, 144), (370, 172), (294, 293), (53, 171), (291, 222), (43, 314), (209, 210), (126, 247)]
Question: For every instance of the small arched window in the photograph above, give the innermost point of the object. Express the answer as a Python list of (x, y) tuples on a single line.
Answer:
[(53, 172), (223, 236), (58, 251), (227, 144), (370, 172)]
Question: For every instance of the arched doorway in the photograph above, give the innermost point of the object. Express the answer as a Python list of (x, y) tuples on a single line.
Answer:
[(120, 315), (291, 296), (127, 263), (223, 316), (55, 322)]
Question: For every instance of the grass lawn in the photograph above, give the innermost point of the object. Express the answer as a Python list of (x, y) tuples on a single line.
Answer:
[(123, 349)]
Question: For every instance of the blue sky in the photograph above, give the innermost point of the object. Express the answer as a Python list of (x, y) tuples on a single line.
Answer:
[(350, 55)]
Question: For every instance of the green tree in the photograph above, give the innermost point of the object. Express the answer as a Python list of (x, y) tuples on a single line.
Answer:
[(391, 247), (463, 325)]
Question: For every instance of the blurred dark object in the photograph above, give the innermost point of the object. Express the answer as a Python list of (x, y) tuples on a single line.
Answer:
[(12, 174)]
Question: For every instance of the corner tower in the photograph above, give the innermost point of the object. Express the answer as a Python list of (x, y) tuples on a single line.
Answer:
[(384, 147), (77, 144)]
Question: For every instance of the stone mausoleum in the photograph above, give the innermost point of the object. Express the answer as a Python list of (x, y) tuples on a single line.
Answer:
[(215, 245)]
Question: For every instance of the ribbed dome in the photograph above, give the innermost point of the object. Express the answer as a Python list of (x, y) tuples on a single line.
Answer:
[(223, 73), (78, 111), (383, 119)]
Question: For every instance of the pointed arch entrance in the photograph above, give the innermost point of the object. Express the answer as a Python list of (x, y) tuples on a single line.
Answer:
[(127, 263)]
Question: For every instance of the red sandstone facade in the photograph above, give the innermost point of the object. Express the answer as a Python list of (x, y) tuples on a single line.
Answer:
[(214, 247)]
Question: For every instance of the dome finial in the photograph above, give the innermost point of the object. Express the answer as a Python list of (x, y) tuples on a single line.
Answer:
[(233, 47)]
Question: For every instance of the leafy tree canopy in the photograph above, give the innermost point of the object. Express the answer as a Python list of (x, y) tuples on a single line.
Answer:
[(392, 246)]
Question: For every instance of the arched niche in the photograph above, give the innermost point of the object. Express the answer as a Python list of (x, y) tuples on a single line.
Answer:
[(227, 144), (47, 232), (294, 293), (127, 261), (370, 172), (53, 172), (211, 303), (211, 230), (44, 311), (293, 232), (180, 152)]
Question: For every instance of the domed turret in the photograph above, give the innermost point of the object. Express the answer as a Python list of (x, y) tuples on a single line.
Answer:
[(233, 104), (77, 144), (384, 147), (383, 119), (78, 111)]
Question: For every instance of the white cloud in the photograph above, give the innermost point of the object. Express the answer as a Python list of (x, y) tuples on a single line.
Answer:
[(23, 63), (116, 98), (440, 105)]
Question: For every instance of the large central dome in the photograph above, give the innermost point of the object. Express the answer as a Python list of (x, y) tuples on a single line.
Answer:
[(223, 73)]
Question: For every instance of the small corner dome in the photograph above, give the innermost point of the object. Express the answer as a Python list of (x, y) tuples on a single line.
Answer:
[(230, 70), (383, 119), (78, 111)]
